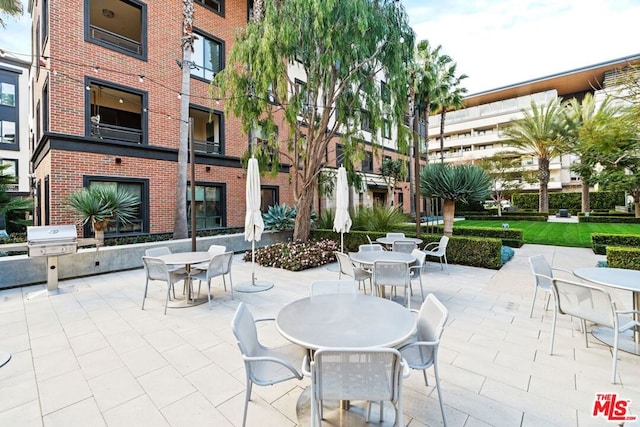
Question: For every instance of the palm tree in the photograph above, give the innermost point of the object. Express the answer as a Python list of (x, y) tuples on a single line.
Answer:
[(580, 116), (540, 134), (11, 8), (467, 183), (100, 204), (451, 96)]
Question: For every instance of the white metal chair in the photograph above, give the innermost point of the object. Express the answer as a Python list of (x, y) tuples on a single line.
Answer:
[(415, 271), (404, 246), (213, 250), (220, 265), (421, 351), (542, 275), (370, 248), (370, 374), (163, 250), (263, 365), (392, 273), (438, 249), (325, 287), (347, 268), (156, 269), (396, 235), (593, 304)]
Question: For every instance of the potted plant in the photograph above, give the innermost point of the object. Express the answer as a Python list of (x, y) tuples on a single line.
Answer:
[(100, 204)]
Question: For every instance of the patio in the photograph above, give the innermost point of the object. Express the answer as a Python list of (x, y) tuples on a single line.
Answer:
[(89, 356)]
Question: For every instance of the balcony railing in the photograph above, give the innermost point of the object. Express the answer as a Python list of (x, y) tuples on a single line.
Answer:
[(203, 146), (117, 133), (114, 39)]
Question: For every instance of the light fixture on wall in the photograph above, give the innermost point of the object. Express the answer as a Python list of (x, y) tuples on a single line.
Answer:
[(108, 13), (118, 160), (208, 168)]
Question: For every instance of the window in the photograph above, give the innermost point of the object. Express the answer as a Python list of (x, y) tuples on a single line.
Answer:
[(339, 156), (8, 132), (118, 25), (365, 120), (386, 129), (45, 21), (10, 168), (208, 130), (45, 106), (216, 5), (385, 94), (115, 113), (140, 189), (8, 94), (400, 198), (367, 162), (264, 138), (269, 197), (207, 57), (301, 88), (209, 205)]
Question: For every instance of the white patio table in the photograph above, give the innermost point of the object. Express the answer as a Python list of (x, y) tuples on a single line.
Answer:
[(619, 278), (187, 259)]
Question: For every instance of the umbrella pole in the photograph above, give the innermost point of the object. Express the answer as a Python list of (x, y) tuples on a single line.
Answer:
[(253, 262), (342, 241)]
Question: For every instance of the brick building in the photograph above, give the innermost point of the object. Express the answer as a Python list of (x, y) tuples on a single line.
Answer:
[(106, 85)]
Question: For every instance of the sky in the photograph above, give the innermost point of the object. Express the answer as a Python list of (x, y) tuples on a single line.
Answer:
[(494, 42)]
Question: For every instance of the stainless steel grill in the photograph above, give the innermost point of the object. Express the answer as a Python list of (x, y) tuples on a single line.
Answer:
[(51, 241)]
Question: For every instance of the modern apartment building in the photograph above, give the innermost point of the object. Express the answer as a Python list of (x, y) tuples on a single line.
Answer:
[(106, 85), (474, 132)]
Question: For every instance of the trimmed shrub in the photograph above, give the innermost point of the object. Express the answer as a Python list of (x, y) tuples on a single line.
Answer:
[(600, 241), (571, 200), (610, 219), (510, 237), (623, 257)]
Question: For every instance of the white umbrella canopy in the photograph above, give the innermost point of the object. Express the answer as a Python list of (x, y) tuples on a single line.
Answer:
[(253, 223), (342, 220)]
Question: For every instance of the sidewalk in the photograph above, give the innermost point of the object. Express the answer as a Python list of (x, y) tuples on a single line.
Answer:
[(89, 356)]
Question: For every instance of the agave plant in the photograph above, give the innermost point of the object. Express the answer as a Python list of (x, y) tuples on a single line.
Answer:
[(279, 217), (100, 204)]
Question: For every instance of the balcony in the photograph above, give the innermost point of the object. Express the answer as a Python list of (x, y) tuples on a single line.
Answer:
[(211, 147), (117, 133), (114, 39)]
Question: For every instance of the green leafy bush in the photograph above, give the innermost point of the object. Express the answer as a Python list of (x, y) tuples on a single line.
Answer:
[(380, 218), (296, 255), (610, 219), (623, 257), (570, 200), (601, 241)]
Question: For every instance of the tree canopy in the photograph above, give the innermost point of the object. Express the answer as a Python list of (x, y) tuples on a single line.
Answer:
[(336, 69)]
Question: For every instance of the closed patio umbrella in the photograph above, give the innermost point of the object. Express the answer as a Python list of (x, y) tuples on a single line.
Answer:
[(253, 226), (342, 220)]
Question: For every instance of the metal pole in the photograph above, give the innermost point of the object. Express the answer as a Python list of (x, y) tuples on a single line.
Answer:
[(192, 159)]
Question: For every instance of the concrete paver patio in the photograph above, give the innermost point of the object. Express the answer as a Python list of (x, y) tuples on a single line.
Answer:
[(89, 356)]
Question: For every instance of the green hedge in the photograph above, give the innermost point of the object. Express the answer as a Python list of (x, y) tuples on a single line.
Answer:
[(509, 217), (623, 257), (601, 241), (571, 200), (610, 219), (472, 251)]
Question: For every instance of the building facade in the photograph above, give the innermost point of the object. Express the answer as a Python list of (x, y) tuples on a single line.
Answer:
[(475, 131)]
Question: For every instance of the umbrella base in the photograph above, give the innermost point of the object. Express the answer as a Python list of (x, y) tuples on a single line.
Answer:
[(333, 267), (4, 357), (257, 286)]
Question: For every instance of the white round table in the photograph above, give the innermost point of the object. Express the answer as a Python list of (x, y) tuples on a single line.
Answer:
[(187, 259), (618, 278), (341, 320), (369, 257)]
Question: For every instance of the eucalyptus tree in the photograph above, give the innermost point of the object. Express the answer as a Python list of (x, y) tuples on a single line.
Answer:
[(180, 220), (467, 183), (581, 119), (540, 133), (340, 49), (11, 8)]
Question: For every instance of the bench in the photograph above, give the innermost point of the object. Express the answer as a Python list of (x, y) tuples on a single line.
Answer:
[(563, 213)]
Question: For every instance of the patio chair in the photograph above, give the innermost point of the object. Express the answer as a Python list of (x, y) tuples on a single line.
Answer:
[(404, 246), (371, 248), (542, 275), (395, 274), (593, 304), (421, 351), (156, 269), (263, 365), (415, 271), (438, 249), (358, 274), (213, 250), (220, 265), (369, 240), (325, 287), (163, 250), (370, 374), (396, 235)]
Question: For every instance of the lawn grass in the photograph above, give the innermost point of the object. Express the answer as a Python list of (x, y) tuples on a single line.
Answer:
[(557, 233)]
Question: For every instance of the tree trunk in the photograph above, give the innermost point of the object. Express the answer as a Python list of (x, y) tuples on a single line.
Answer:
[(442, 118), (448, 211), (586, 198), (180, 220), (98, 230), (389, 195), (543, 175), (303, 217), (636, 202)]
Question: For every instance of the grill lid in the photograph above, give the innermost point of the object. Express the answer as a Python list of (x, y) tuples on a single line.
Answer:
[(51, 233)]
